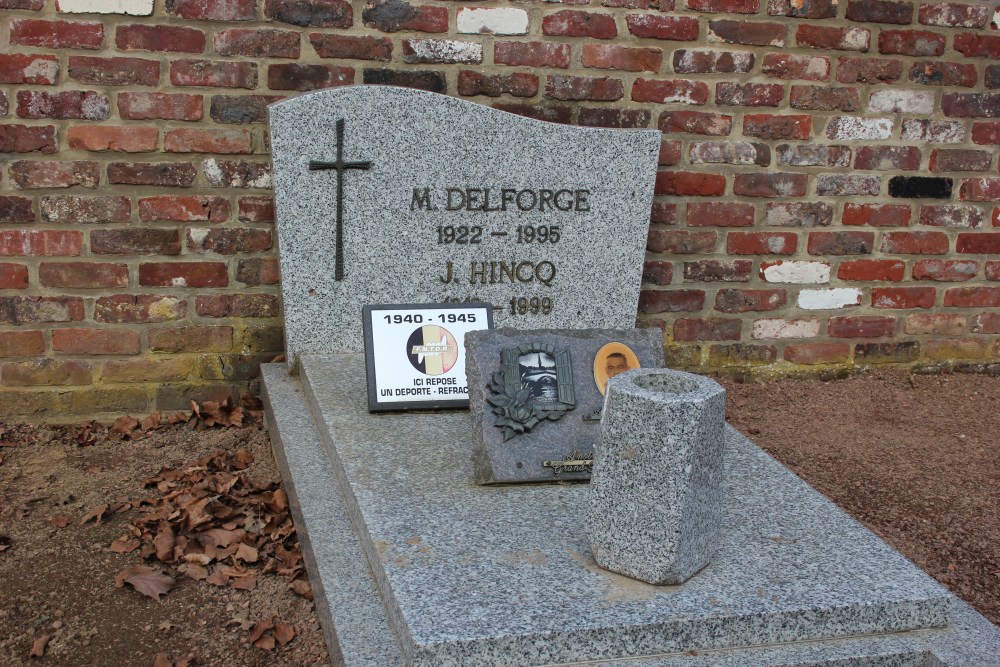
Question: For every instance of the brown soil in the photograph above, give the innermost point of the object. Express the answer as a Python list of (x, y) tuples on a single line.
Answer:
[(912, 457)]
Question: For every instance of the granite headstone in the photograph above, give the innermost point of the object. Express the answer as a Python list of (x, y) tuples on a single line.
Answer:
[(551, 449), (392, 195)]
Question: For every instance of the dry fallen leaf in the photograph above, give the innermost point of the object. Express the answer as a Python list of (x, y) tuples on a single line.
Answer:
[(94, 514), (146, 580), (59, 520), (220, 538), (246, 553), (38, 648), (164, 543), (4, 543), (194, 570), (123, 545), (162, 661), (259, 628), (150, 422), (284, 632), (266, 642), (124, 425), (301, 588), (217, 578)]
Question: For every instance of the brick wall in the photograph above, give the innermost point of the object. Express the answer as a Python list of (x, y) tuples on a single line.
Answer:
[(826, 196)]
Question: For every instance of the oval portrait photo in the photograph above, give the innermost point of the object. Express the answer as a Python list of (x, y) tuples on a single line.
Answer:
[(612, 359)]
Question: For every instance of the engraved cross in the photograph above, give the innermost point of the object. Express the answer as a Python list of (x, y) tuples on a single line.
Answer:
[(340, 166)]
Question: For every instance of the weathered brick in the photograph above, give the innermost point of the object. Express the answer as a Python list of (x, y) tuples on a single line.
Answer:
[(951, 350), (442, 51), (696, 122), (798, 214), (671, 301), (135, 241), (213, 10), (973, 297), (146, 370), (27, 138), (310, 13), (986, 132), (887, 158), (795, 66), (262, 43), (952, 215), (16, 210), (163, 174), (237, 305), (887, 353), (130, 139), (256, 271), (228, 240), (256, 209), (31, 174), (978, 243), (138, 308), (853, 128), (575, 88), (657, 273), (609, 56), (397, 15), (761, 243), (114, 71), (28, 68), (768, 126), (674, 91), (184, 209), (818, 98), (803, 9), (67, 104), (95, 341), (817, 353), (880, 11), (771, 328), (672, 28), (492, 21), (173, 39), (240, 109), (941, 270), (605, 117), (689, 329), (237, 174), (4, 102), (202, 339), (13, 276), (839, 39), (82, 275), (549, 113), (183, 274), (812, 155), (691, 184), (517, 84), (531, 54), (297, 76), (903, 297), (991, 79), (687, 61), (670, 152), (920, 187), (46, 372), (972, 45), (920, 43), (980, 189), (191, 140), (915, 243), (841, 243), (891, 270), (69, 209), (992, 271), (29, 5), (876, 215), (868, 70), (901, 101), (987, 323), (719, 270), (861, 326), (724, 6), (954, 15), (746, 32), (741, 355), (212, 74), (574, 23), (935, 131), (21, 343), (351, 48), (943, 160), (160, 106), (681, 242), (424, 80), (749, 94), (971, 105), (945, 324), (663, 212), (720, 214), (56, 34), (37, 310), (263, 338), (770, 185)]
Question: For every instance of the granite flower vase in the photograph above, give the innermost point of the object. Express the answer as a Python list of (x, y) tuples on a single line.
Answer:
[(655, 503)]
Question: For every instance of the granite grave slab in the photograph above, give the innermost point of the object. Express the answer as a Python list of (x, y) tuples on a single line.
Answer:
[(393, 195), (551, 449)]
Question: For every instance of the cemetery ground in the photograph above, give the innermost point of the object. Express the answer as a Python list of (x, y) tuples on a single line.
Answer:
[(911, 456)]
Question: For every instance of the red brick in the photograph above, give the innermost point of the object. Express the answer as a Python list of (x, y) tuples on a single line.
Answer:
[(396, 15), (980, 189), (793, 66), (841, 243), (314, 13), (770, 185), (297, 76), (972, 45), (861, 326), (952, 215), (954, 15), (16, 210), (183, 274), (657, 273), (696, 122), (351, 48), (609, 56), (4, 104), (817, 98), (887, 158), (892, 270), (729, 93), (840, 39), (213, 10), (973, 297), (518, 84), (943, 159), (184, 209), (971, 105), (719, 270), (880, 11), (191, 339), (670, 153), (724, 6), (609, 117), (911, 43), (56, 34), (164, 174), (761, 243), (915, 243), (817, 353), (241, 109), (28, 175), (35, 309), (682, 183), (768, 126), (868, 70), (29, 5), (256, 209), (672, 28), (30, 68), (69, 209), (992, 271), (160, 106), (47, 243), (671, 301), (978, 243), (945, 324), (942, 73), (741, 355), (809, 9), (745, 32), (903, 297), (707, 329), (531, 54), (139, 308), (798, 214), (135, 241), (229, 240), (942, 270), (679, 242), (114, 71), (255, 271), (95, 341), (27, 138), (987, 323), (749, 300), (729, 152), (663, 213), (237, 305), (13, 276), (67, 104), (260, 43), (718, 214), (876, 215), (237, 173), (131, 139), (573, 23), (688, 61), (82, 275), (21, 343), (190, 140), (838, 185), (670, 92), (813, 155), (213, 74), (172, 39), (46, 372)]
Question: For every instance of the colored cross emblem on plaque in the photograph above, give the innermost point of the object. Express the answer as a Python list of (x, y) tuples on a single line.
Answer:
[(340, 166)]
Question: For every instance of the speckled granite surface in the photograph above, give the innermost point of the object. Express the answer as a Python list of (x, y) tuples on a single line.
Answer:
[(655, 503), (393, 252), (454, 561)]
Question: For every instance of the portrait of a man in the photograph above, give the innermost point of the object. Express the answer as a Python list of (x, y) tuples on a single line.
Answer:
[(611, 360)]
